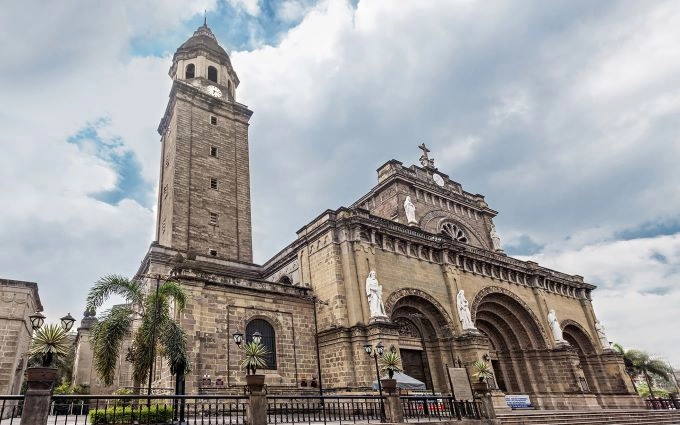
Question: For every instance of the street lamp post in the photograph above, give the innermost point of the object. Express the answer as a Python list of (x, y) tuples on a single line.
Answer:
[(375, 352)]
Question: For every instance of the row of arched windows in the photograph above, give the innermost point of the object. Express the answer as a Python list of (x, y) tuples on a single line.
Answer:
[(190, 72), (268, 339)]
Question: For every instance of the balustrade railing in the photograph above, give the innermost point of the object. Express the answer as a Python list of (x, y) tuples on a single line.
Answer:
[(663, 403), (122, 409), (10, 409), (315, 409)]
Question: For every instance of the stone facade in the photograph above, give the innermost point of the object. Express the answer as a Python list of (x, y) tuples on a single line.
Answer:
[(18, 301), (448, 245)]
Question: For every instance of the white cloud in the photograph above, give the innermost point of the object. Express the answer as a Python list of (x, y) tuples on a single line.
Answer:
[(638, 297), (251, 7), (564, 117)]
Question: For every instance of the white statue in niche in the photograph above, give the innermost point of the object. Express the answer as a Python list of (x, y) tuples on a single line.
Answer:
[(555, 326), (601, 335), (410, 211), (495, 238), (464, 311), (374, 294)]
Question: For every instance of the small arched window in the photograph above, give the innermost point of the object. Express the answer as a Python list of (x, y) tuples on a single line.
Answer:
[(286, 280), (268, 339), (190, 71), (212, 74)]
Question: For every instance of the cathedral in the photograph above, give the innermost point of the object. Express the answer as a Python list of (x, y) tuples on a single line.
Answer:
[(415, 264)]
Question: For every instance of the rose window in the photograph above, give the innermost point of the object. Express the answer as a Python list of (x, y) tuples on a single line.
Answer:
[(454, 232)]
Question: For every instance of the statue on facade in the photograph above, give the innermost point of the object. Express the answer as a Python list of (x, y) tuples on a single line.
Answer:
[(410, 211), (601, 335), (374, 294), (464, 312), (495, 238), (555, 326)]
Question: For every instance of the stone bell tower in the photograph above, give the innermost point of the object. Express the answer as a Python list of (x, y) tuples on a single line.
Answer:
[(204, 192)]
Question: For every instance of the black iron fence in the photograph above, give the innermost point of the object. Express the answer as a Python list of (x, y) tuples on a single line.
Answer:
[(10, 409), (663, 403), (223, 410), (315, 409), (426, 408), (155, 409)]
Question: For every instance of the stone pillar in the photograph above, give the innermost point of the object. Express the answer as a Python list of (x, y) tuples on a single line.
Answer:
[(38, 395), (257, 408), (488, 410), (393, 412)]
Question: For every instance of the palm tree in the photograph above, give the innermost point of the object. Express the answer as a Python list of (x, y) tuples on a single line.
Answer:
[(649, 367), (627, 362), (117, 323)]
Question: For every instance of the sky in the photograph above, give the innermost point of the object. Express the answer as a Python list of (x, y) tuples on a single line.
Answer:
[(563, 114)]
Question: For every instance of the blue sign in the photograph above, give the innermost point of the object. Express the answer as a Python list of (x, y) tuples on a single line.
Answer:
[(518, 401)]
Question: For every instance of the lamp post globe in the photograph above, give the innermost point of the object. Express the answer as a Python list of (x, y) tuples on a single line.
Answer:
[(37, 320), (257, 337), (67, 322), (238, 337), (380, 348)]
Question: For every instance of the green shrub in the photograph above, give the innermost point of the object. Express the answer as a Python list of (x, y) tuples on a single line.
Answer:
[(129, 415)]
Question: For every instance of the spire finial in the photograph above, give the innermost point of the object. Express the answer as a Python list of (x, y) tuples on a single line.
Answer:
[(205, 17)]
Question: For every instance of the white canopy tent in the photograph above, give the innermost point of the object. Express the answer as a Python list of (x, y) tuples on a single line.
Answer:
[(404, 382)]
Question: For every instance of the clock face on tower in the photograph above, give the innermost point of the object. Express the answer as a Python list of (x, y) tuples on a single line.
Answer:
[(213, 91), (438, 179)]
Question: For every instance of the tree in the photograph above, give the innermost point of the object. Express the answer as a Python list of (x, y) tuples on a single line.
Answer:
[(649, 368), (116, 324), (638, 362)]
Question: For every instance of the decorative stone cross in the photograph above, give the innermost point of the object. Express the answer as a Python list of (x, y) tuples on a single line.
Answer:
[(425, 160)]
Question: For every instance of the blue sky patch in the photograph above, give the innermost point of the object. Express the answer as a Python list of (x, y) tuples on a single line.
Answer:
[(526, 246), (234, 28), (649, 229), (129, 184)]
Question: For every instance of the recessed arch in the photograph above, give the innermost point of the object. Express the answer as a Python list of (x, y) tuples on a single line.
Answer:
[(268, 335), (519, 313), (411, 294), (190, 71), (578, 337), (212, 74)]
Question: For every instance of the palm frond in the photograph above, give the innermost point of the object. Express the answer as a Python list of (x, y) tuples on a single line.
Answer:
[(175, 291), (49, 342), (254, 355), (113, 285), (107, 337), (173, 339)]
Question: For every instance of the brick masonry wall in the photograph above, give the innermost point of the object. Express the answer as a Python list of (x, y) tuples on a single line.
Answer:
[(18, 300), (186, 197)]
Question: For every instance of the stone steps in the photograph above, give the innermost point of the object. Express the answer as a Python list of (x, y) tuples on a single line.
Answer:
[(617, 417)]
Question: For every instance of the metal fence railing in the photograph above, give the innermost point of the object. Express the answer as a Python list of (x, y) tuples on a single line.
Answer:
[(426, 408), (663, 403), (10, 409), (122, 409), (317, 409)]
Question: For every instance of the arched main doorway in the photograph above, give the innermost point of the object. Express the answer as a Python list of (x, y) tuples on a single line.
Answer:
[(578, 338), (513, 331), (423, 330)]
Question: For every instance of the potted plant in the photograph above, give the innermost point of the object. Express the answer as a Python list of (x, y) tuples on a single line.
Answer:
[(49, 344), (482, 371), (390, 362), (254, 356)]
